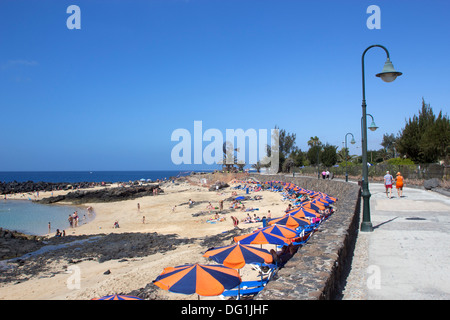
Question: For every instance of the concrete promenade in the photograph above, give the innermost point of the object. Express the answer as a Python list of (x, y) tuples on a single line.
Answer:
[(407, 256)]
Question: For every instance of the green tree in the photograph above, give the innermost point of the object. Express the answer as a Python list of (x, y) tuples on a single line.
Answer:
[(425, 138), (257, 166), (285, 146), (298, 156), (313, 155), (328, 156), (314, 141), (288, 164), (344, 155), (388, 144)]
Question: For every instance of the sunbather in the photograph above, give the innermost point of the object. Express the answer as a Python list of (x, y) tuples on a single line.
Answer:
[(281, 257), (235, 221)]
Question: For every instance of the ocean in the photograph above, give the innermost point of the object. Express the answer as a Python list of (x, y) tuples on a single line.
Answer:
[(87, 176), (33, 218)]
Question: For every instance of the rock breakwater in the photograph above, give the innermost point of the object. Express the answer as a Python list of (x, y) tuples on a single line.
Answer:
[(30, 186), (104, 195), (100, 248)]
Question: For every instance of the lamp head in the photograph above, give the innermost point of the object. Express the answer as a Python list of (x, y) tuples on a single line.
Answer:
[(373, 126), (353, 141), (388, 74)]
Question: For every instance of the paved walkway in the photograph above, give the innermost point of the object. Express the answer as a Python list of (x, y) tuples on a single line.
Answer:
[(407, 255)]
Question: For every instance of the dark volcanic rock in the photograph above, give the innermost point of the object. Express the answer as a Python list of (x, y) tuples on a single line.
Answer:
[(218, 185), (225, 238), (104, 195), (102, 248), (431, 184), (30, 186)]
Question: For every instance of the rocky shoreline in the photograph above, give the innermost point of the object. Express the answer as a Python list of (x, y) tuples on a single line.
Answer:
[(104, 195), (101, 247), (30, 186), (32, 261)]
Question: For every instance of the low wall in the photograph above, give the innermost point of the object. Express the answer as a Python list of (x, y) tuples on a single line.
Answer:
[(319, 269)]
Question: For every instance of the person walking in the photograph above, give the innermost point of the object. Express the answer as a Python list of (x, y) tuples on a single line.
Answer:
[(399, 184), (388, 179)]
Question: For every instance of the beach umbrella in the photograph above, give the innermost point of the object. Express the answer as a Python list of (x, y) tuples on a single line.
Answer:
[(313, 206), (118, 297), (319, 204), (205, 280), (290, 221), (304, 213), (293, 211), (321, 201), (280, 230), (237, 255), (261, 237), (325, 197)]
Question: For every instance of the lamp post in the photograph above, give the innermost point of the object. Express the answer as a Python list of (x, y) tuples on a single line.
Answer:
[(372, 127), (346, 156), (388, 74)]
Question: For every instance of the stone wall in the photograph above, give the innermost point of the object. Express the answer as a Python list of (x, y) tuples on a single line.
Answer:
[(319, 269)]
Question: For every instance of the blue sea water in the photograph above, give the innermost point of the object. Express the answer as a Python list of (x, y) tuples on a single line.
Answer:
[(33, 218), (87, 176)]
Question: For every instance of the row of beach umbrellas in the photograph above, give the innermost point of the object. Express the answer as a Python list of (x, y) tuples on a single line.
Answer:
[(213, 280)]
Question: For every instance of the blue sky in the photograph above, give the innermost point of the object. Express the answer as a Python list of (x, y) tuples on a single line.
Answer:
[(109, 95)]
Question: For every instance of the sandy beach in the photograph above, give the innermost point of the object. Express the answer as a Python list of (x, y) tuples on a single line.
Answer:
[(166, 214)]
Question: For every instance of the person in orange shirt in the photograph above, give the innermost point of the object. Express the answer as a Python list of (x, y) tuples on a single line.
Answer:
[(399, 184)]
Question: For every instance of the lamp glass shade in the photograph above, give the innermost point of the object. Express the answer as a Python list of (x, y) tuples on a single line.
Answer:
[(373, 126), (388, 74), (353, 141)]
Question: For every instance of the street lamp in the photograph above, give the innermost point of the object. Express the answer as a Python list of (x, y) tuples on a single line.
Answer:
[(346, 156), (388, 74), (372, 126)]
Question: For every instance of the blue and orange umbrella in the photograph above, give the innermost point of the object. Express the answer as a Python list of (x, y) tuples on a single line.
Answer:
[(205, 280), (280, 230), (290, 221), (237, 255), (261, 237), (118, 297), (326, 197), (324, 200), (321, 201), (314, 206), (304, 213)]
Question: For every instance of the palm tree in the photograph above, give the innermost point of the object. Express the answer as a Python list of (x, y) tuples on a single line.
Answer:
[(314, 141), (257, 166)]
